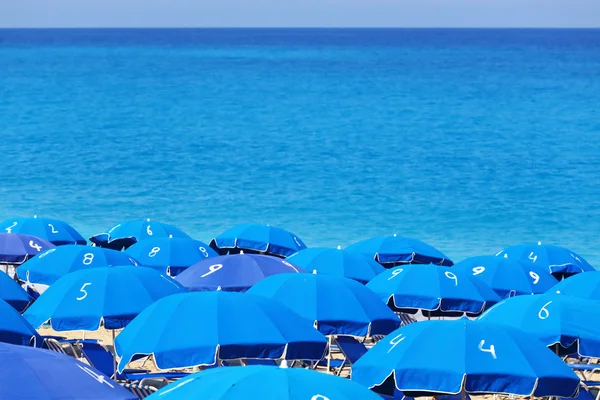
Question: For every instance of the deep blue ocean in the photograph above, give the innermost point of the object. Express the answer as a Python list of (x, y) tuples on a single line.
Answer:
[(470, 140)]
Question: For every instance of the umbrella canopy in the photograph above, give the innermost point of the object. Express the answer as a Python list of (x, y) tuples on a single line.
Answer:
[(233, 273), (435, 290), (586, 285), (51, 265), (128, 233), (450, 357), (507, 277), (51, 230), (194, 329), (559, 261), (266, 383), (12, 293), (259, 239), (15, 329), (16, 248), (337, 262), (394, 250), (338, 306), (572, 323), (170, 255), (28, 373), (82, 300)]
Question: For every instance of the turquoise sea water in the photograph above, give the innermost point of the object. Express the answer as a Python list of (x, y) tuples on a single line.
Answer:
[(471, 140)]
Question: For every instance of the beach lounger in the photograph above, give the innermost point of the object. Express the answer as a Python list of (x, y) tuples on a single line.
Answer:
[(351, 349), (583, 368), (141, 391), (260, 362), (139, 376), (157, 383), (406, 319), (593, 389), (66, 348), (97, 355), (400, 396)]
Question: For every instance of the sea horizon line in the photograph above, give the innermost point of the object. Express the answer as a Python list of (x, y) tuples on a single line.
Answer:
[(295, 28)]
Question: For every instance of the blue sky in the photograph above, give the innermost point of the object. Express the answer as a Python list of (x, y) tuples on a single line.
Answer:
[(294, 13)]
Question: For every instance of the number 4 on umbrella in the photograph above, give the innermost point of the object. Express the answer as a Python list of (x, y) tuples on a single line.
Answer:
[(491, 349), (396, 341)]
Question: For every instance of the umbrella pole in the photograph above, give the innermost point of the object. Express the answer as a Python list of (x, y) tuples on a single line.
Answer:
[(329, 353), (463, 394), (115, 354)]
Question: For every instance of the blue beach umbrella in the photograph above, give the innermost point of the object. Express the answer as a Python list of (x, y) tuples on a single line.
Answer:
[(394, 250), (435, 290), (507, 277), (337, 262), (51, 230), (16, 248), (233, 273), (195, 329), (15, 329), (265, 383), (28, 373), (336, 305), (258, 239), (51, 265), (112, 296), (462, 356), (12, 293), (559, 261), (567, 324), (586, 285), (128, 233), (170, 255)]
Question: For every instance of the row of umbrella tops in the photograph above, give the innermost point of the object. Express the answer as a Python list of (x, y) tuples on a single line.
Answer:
[(468, 287), (388, 251)]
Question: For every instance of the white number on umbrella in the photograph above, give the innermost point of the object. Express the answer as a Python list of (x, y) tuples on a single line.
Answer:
[(154, 252), (544, 312), (478, 270), (297, 242), (10, 228), (491, 349), (536, 277), (396, 341), (88, 258), (532, 256), (113, 228), (99, 377), (52, 229), (395, 273), (44, 254), (35, 246), (575, 257), (289, 265), (203, 251), (149, 231), (82, 290), (212, 269), (451, 275), (133, 261), (319, 397)]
